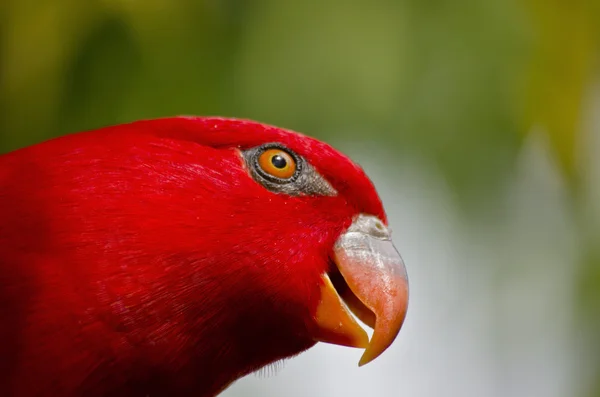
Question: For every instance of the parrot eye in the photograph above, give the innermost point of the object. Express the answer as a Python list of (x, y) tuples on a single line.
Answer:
[(277, 163), (280, 170)]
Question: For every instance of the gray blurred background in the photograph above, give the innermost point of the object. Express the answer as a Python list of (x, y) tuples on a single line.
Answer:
[(479, 122)]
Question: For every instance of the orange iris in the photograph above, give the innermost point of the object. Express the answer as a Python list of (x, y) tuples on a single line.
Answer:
[(277, 163)]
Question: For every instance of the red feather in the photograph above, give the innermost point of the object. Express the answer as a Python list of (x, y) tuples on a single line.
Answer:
[(143, 259)]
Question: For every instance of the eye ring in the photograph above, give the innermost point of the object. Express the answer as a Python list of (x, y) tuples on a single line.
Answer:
[(274, 162)]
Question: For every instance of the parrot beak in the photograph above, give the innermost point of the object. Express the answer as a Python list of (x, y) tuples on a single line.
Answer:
[(371, 280)]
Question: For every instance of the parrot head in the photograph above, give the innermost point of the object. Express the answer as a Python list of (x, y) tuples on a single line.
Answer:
[(216, 244)]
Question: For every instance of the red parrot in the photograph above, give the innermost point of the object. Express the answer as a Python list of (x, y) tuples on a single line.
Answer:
[(171, 257)]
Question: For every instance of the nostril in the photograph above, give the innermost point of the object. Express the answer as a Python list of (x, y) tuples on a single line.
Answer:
[(370, 225), (379, 229)]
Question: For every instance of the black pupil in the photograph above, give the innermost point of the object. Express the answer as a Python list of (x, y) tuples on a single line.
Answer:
[(278, 161)]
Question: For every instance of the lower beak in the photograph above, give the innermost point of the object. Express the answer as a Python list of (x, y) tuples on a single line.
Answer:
[(371, 280)]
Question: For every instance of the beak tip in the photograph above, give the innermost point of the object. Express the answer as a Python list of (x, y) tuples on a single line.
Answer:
[(367, 357), (387, 328)]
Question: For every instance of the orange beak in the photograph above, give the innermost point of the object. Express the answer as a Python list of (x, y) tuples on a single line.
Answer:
[(371, 280)]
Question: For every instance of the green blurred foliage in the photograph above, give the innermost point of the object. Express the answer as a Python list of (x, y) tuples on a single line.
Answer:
[(458, 83), (567, 37)]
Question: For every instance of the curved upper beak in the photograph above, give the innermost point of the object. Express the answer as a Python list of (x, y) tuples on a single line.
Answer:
[(371, 280)]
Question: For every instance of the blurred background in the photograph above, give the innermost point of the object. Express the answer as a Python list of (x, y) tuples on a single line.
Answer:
[(479, 122)]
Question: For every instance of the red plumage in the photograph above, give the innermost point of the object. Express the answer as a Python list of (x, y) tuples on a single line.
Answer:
[(143, 259)]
